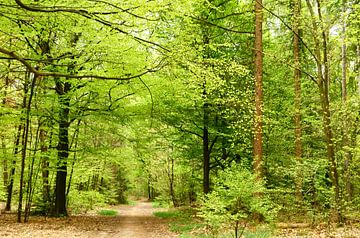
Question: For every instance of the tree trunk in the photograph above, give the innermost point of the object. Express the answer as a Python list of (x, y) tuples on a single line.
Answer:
[(62, 148), (297, 83), (206, 152), (258, 150), (171, 177), (323, 89), (323, 80), (25, 142), (10, 185), (346, 138)]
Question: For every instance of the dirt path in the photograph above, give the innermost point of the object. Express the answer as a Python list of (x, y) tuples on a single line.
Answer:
[(137, 221), (132, 222)]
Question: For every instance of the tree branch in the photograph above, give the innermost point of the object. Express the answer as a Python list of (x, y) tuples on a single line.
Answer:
[(88, 15), (54, 74), (220, 27)]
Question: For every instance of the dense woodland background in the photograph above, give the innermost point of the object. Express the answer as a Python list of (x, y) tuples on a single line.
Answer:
[(245, 109)]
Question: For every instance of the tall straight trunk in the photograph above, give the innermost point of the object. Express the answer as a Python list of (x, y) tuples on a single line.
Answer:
[(343, 55), (258, 150), (346, 138), (62, 148), (327, 117), (297, 83), (323, 80), (206, 150)]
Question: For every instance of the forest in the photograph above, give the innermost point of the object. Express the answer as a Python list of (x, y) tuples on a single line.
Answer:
[(241, 112)]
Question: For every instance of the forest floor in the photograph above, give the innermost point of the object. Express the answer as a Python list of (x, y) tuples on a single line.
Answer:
[(138, 221), (132, 221)]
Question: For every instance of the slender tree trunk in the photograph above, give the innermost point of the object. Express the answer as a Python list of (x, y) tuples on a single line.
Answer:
[(297, 82), (171, 177), (24, 144), (206, 152), (330, 144), (323, 80), (327, 118), (10, 185), (343, 55), (344, 99), (258, 150), (30, 187)]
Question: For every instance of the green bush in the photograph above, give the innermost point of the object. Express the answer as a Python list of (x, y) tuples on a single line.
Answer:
[(236, 199), (83, 201)]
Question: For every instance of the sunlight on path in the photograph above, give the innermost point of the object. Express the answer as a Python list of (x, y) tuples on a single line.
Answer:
[(138, 221)]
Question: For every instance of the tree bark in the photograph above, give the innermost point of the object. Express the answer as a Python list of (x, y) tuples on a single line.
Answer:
[(25, 142), (10, 185), (62, 148), (258, 150), (323, 80), (206, 150)]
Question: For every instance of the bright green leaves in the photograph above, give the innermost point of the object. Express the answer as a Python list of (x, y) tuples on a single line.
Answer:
[(236, 199)]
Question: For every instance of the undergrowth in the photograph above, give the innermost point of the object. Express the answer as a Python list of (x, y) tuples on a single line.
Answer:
[(107, 212)]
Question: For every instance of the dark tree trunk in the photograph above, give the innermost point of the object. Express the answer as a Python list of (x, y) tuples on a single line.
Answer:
[(206, 144), (12, 171), (258, 150), (25, 142), (62, 148)]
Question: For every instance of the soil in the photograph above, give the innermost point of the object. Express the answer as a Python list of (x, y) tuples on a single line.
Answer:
[(134, 221)]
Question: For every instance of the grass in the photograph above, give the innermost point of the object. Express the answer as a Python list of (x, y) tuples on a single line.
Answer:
[(131, 203), (182, 221), (107, 212), (187, 226)]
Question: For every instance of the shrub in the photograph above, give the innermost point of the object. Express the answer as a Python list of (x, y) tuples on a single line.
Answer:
[(83, 201), (237, 197)]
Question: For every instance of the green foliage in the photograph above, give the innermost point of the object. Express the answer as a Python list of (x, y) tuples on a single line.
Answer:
[(169, 214), (84, 201), (237, 198)]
